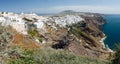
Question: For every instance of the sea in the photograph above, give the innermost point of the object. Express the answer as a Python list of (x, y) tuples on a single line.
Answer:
[(112, 30)]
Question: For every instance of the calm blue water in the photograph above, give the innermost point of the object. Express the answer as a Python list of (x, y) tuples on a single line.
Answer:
[(112, 30)]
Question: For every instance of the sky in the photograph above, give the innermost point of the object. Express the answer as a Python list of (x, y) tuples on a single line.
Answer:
[(56, 6)]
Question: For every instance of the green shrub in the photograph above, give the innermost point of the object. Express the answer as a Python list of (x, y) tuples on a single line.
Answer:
[(33, 32), (51, 56), (116, 59), (23, 61), (41, 39), (27, 58)]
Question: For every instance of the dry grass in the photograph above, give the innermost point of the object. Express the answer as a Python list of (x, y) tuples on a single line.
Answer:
[(24, 42)]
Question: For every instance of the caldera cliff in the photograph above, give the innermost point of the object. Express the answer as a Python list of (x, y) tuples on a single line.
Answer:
[(78, 33)]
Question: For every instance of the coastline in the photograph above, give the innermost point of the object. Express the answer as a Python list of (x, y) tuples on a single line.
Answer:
[(102, 40), (105, 45)]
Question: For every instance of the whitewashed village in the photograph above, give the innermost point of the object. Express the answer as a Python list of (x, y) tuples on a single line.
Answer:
[(23, 22)]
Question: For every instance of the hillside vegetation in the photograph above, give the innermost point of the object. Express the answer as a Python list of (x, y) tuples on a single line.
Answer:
[(21, 52), (51, 56)]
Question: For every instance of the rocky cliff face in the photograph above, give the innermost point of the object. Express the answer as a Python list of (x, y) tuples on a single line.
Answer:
[(90, 35), (83, 38), (79, 33)]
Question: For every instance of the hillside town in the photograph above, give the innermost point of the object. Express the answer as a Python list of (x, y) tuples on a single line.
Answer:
[(21, 22)]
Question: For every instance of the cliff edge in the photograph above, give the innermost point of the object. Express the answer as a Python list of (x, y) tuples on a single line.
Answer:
[(77, 32)]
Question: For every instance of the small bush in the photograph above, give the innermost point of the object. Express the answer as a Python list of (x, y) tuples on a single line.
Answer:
[(26, 58), (51, 56), (41, 39), (33, 32), (116, 59)]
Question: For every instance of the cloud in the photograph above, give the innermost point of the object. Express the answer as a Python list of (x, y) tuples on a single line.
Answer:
[(81, 8)]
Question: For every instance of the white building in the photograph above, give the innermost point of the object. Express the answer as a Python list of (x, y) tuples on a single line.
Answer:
[(19, 25), (67, 20), (39, 25), (15, 21), (2, 19)]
